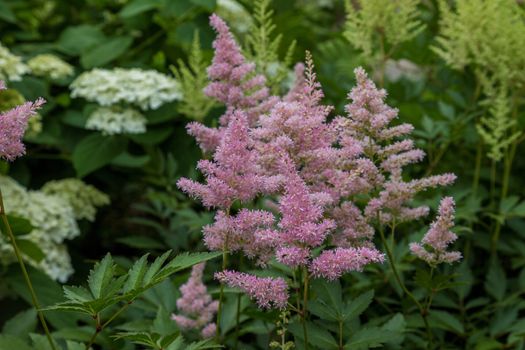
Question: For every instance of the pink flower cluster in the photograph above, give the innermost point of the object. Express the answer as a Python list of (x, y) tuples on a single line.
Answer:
[(268, 292), (196, 306), (333, 180), (439, 237), (13, 124)]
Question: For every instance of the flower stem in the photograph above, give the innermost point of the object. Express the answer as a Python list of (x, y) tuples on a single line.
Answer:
[(402, 285), (305, 307), (24, 272), (221, 295), (100, 327)]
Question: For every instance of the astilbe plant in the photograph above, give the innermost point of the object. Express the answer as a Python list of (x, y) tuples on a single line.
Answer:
[(335, 181)]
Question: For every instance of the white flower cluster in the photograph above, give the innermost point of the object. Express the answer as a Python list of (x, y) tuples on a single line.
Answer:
[(11, 66), (116, 120), (83, 198), (147, 89), (53, 218), (50, 66), (235, 14)]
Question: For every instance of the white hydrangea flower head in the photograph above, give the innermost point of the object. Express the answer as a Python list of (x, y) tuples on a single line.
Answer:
[(235, 14), (84, 198), (57, 263), (11, 66), (53, 221), (116, 120), (147, 89), (50, 66)]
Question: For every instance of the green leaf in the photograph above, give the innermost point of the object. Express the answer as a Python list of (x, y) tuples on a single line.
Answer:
[(78, 294), (72, 345), (155, 267), (95, 151), (19, 226), (366, 338), (153, 136), (136, 7), (317, 335), (209, 5), (357, 306), (30, 249), (101, 276), (130, 161), (106, 52), (136, 274), (69, 39), (5, 13), (496, 281), (21, 324), (445, 320), (330, 294), (9, 342)]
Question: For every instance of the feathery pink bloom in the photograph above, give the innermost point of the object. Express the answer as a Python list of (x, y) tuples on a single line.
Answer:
[(233, 80), (196, 307), (439, 237), (332, 264), (352, 226), (233, 174), (13, 124), (240, 232), (268, 292)]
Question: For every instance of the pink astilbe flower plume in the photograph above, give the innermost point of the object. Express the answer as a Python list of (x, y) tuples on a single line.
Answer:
[(233, 174), (438, 237), (268, 292), (197, 309), (234, 82), (332, 264), (13, 124)]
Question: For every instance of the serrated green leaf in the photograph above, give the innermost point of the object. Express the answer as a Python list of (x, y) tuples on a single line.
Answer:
[(101, 276), (366, 338), (357, 306), (77, 294), (155, 267), (445, 320), (136, 274), (21, 324), (496, 281)]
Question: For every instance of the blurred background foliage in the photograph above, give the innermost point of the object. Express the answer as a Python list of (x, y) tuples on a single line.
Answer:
[(455, 73)]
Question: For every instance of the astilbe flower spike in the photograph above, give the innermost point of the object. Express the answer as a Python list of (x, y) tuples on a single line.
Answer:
[(233, 81), (233, 174), (13, 124), (439, 237), (268, 292), (196, 307)]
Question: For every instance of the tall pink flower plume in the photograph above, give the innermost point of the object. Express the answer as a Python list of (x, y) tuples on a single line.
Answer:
[(233, 174), (268, 292), (233, 80), (13, 124), (332, 264), (195, 305), (439, 237)]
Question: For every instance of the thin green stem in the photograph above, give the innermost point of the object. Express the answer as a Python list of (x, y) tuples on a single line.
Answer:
[(221, 295), (237, 321), (305, 306), (477, 169), (400, 282), (24, 273), (98, 329)]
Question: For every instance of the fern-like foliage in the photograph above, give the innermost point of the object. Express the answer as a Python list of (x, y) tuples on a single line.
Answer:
[(106, 289), (193, 78), (377, 27), (489, 38), (169, 342), (263, 46)]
